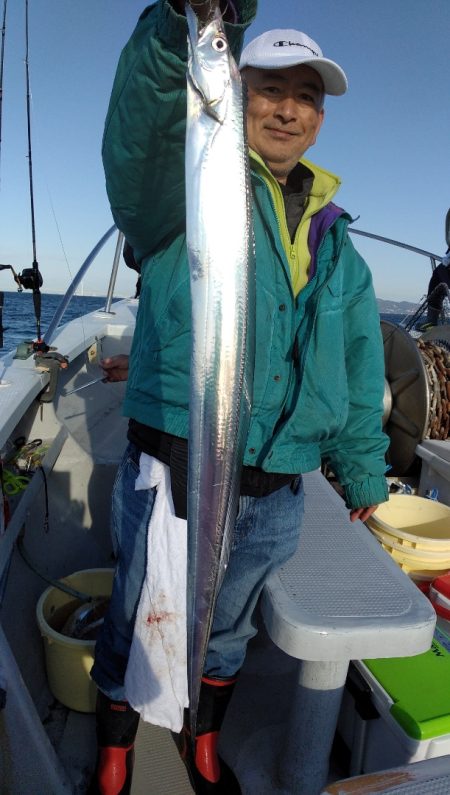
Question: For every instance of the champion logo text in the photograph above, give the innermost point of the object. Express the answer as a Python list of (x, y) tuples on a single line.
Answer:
[(295, 44)]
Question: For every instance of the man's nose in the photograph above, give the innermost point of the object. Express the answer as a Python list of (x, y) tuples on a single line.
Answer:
[(286, 109)]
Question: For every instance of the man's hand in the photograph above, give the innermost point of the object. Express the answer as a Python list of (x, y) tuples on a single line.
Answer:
[(362, 513), (115, 368)]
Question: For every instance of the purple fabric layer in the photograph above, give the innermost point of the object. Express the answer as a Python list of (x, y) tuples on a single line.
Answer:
[(320, 224)]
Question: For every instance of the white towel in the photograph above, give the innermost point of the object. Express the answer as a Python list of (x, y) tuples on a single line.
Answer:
[(156, 676)]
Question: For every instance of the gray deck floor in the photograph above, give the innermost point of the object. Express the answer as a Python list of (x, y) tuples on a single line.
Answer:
[(158, 768)]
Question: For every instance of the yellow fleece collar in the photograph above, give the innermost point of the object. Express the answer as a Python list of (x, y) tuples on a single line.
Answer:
[(324, 188)]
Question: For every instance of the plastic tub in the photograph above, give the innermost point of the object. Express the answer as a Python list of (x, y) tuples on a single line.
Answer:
[(439, 595), (435, 470), (420, 577), (69, 660), (411, 566), (420, 565), (441, 558), (415, 522)]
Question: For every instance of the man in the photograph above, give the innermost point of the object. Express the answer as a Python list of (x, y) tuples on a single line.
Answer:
[(438, 290), (319, 370)]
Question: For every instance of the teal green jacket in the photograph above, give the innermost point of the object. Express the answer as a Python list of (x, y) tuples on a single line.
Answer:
[(319, 372)]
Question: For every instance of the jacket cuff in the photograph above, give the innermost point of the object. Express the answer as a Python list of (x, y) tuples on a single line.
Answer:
[(361, 494)]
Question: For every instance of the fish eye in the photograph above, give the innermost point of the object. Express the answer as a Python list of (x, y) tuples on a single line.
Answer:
[(219, 44)]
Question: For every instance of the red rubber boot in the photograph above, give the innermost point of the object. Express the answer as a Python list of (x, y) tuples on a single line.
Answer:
[(117, 725), (208, 773)]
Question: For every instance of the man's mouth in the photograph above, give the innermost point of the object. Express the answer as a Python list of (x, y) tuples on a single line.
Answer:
[(281, 134)]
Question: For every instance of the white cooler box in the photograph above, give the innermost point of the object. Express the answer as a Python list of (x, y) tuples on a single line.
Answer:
[(396, 711), (435, 472)]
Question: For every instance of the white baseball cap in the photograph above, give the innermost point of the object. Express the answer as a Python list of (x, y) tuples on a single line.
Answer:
[(278, 49)]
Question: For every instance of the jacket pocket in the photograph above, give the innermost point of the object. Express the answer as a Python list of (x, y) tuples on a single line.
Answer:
[(266, 310), (322, 407)]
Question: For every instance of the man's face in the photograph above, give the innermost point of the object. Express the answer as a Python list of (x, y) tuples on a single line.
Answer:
[(284, 114)]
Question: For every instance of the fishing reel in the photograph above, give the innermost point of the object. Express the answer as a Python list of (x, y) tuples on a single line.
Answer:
[(30, 279)]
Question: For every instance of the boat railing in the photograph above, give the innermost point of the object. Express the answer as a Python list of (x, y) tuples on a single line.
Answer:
[(409, 321), (57, 317), (115, 268), (434, 258), (56, 320)]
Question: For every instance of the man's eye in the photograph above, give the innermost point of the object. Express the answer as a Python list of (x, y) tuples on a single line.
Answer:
[(271, 89)]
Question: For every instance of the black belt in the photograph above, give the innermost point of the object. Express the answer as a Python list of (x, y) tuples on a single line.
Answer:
[(173, 451)]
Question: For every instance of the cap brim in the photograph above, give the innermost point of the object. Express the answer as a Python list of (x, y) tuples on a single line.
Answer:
[(333, 77)]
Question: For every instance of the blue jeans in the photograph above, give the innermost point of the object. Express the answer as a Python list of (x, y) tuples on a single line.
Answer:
[(265, 536)]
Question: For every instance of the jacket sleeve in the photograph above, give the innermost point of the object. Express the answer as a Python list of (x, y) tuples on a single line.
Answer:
[(143, 142), (356, 455)]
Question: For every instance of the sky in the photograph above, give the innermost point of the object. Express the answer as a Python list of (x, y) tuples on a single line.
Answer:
[(387, 138)]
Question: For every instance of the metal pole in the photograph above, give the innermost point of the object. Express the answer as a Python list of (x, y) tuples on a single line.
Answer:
[(115, 268), (395, 243), (51, 331)]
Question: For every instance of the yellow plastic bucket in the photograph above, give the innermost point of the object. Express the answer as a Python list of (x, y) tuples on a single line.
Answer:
[(414, 555), (409, 564), (414, 522), (69, 660)]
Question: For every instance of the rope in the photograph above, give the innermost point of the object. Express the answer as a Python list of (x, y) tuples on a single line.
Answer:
[(14, 483), (436, 357), (55, 583)]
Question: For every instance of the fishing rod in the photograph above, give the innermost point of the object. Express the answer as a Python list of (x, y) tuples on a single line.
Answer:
[(2, 58), (31, 278)]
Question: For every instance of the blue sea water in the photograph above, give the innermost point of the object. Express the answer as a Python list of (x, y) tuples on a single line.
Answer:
[(19, 322), (18, 314), (397, 319)]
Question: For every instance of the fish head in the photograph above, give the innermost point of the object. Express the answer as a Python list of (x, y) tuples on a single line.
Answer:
[(211, 66)]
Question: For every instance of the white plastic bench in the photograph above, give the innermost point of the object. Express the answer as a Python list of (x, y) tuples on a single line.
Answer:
[(339, 598)]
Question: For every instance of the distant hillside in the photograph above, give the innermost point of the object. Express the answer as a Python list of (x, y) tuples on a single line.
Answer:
[(395, 307)]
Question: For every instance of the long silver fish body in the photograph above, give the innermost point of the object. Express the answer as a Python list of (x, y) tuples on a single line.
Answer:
[(222, 280)]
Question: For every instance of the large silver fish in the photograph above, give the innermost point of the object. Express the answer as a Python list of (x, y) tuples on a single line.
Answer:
[(222, 278)]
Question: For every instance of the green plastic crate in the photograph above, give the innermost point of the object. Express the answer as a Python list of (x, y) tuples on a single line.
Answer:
[(419, 688)]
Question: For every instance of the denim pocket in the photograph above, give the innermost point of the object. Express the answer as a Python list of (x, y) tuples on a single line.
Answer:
[(129, 507)]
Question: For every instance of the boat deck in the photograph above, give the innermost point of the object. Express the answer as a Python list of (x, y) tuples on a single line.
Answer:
[(158, 768), (88, 435)]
